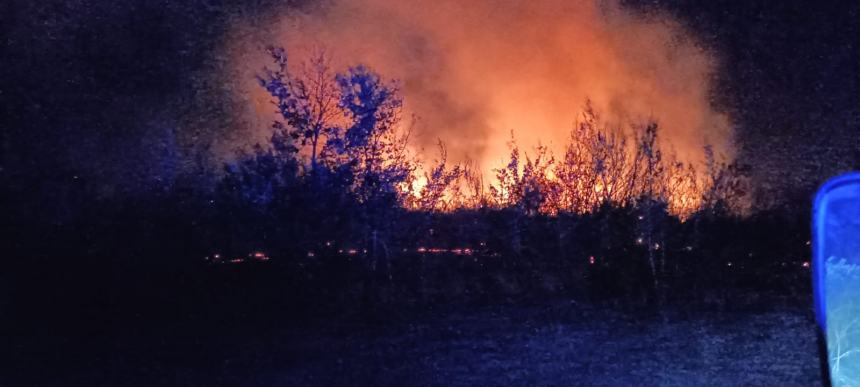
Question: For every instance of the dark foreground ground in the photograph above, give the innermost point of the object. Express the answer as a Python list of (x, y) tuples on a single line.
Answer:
[(558, 343), (556, 346)]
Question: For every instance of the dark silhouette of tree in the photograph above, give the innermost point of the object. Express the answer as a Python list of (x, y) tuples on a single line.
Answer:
[(307, 102), (652, 201), (727, 185), (616, 208), (372, 143)]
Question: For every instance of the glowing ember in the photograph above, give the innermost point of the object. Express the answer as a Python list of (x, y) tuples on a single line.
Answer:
[(259, 256)]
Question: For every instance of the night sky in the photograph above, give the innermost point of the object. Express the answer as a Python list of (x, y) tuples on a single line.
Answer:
[(790, 78), (105, 90)]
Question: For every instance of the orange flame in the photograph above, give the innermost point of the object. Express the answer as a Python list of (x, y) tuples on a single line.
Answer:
[(473, 71)]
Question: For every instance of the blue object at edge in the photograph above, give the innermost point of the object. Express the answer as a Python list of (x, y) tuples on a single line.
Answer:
[(818, 214)]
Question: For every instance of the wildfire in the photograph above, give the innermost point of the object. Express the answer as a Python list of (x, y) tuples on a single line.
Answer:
[(592, 172), (473, 71)]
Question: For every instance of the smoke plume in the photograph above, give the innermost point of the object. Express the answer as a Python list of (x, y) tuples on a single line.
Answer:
[(473, 71)]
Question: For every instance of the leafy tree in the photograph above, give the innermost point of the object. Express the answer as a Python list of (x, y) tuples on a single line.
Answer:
[(371, 143), (307, 102), (727, 185)]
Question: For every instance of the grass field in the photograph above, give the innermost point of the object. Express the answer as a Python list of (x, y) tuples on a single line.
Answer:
[(558, 343), (532, 346)]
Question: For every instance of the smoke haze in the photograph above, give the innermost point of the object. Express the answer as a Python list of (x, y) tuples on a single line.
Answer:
[(474, 71)]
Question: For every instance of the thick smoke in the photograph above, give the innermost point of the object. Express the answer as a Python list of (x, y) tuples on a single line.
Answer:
[(473, 71)]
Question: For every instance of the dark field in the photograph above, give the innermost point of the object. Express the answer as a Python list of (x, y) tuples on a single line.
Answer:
[(565, 345), (558, 343)]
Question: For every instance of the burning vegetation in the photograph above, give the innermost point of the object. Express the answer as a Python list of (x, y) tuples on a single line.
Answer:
[(470, 73), (337, 189), (351, 124)]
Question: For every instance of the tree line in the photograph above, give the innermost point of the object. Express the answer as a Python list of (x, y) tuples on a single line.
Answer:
[(351, 219), (615, 209)]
